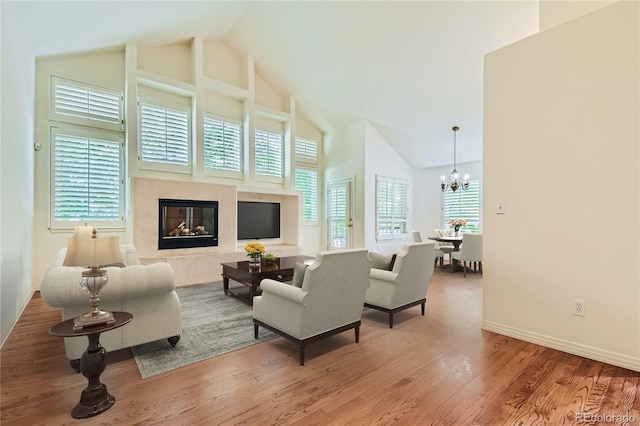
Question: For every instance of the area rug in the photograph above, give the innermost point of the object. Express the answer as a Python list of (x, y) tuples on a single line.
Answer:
[(212, 324)]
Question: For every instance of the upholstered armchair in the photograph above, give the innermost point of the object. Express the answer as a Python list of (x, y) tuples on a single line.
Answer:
[(147, 292), (330, 300), (406, 284), (470, 251)]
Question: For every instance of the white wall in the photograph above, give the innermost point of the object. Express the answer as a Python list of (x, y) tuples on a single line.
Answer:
[(561, 115), (382, 160), (344, 158), (554, 12), (16, 166)]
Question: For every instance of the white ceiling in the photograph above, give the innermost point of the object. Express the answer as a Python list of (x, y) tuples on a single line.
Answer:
[(413, 69)]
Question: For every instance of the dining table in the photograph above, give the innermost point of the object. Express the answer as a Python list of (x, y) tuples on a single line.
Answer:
[(455, 241)]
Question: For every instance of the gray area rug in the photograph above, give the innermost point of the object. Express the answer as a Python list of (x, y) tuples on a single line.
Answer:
[(212, 324)]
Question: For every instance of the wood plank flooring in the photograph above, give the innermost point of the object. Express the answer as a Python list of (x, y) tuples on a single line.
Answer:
[(440, 369)]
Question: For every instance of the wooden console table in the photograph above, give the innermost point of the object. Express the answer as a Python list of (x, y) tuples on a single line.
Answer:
[(94, 399)]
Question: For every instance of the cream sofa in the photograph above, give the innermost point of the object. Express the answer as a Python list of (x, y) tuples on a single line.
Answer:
[(147, 292)]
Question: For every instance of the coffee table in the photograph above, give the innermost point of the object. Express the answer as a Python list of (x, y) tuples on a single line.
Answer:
[(250, 276)]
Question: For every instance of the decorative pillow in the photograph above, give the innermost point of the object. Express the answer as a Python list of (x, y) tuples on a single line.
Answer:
[(379, 261), (298, 274), (393, 261)]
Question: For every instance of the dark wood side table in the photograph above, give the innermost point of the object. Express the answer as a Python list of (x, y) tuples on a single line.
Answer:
[(94, 399)]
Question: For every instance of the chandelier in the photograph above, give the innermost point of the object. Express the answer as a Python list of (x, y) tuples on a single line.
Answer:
[(453, 181)]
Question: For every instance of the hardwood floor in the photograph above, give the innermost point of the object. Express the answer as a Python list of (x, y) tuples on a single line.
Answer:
[(440, 369)]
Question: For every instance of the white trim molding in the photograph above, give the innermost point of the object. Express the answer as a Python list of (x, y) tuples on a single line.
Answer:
[(590, 352)]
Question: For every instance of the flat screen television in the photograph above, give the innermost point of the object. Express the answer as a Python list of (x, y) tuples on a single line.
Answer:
[(258, 220)]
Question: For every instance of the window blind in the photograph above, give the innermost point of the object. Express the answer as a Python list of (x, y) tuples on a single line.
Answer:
[(338, 215), (164, 134), (306, 150), (463, 205), (88, 180), (306, 181), (222, 145), (268, 153), (87, 102), (392, 208)]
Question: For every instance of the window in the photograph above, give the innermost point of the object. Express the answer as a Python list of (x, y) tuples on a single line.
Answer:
[(222, 145), (82, 103), (306, 181), (306, 177), (339, 214), (268, 153), (165, 136), (463, 205), (392, 208), (306, 150), (88, 179)]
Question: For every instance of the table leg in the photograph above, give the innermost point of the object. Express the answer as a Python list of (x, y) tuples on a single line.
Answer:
[(225, 284), (94, 399)]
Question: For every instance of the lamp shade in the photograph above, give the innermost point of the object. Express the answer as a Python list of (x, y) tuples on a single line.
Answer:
[(88, 252)]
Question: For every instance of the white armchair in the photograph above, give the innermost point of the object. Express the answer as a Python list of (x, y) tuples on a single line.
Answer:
[(470, 251), (330, 300), (404, 286), (147, 292)]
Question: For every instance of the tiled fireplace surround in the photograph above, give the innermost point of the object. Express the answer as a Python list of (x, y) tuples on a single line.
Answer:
[(202, 264)]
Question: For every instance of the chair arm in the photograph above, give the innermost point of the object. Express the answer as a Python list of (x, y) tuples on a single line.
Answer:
[(382, 275), (285, 291)]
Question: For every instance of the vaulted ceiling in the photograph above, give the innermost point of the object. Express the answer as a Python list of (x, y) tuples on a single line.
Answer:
[(413, 69)]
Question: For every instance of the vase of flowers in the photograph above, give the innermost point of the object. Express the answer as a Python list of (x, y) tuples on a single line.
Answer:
[(457, 223), (254, 252)]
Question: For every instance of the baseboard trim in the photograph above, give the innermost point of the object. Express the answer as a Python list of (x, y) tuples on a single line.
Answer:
[(590, 352), (17, 316)]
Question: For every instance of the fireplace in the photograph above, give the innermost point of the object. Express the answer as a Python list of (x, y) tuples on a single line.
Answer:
[(187, 223)]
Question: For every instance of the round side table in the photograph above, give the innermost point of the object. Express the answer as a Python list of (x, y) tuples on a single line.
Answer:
[(94, 399)]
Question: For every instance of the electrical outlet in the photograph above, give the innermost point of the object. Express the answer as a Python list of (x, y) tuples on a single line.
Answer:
[(578, 307)]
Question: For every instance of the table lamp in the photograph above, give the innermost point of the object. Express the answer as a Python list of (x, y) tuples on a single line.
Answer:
[(87, 250)]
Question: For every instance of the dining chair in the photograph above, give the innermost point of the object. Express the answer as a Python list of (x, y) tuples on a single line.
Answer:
[(445, 248), (439, 254), (470, 251)]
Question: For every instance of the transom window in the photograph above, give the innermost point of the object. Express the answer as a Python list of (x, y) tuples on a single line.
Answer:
[(83, 103)]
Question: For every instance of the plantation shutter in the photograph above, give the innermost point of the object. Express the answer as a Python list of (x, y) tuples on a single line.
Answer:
[(463, 205), (222, 145), (306, 150), (268, 153), (164, 134), (392, 208), (338, 214), (306, 181), (102, 107), (87, 183)]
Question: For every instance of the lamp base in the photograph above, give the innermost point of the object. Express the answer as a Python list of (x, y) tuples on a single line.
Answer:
[(91, 318)]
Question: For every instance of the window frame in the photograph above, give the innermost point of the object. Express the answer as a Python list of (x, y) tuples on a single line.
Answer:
[(315, 195), (395, 183), (159, 165), (265, 177), (210, 171), (86, 119), (471, 220), (90, 133)]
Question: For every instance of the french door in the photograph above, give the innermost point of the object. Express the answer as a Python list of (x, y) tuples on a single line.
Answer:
[(339, 214)]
